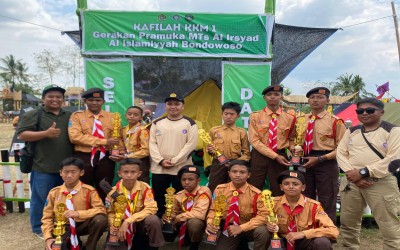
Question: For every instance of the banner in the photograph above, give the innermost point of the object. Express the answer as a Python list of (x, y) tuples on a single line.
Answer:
[(243, 83), (176, 34), (115, 76)]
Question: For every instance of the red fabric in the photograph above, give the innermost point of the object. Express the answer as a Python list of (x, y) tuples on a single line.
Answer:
[(2, 212), (99, 133), (130, 232), (349, 114), (308, 139), (74, 236), (233, 211), (273, 133), (292, 222), (188, 207)]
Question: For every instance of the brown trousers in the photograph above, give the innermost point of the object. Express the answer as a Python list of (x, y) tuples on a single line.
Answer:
[(145, 168), (260, 236), (320, 243), (261, 167), (94, 227), (101, 169), (218, 175), (322, 180)]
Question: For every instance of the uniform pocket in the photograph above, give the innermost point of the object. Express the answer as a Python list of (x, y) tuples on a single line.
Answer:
[(236, 146), (343, 184), (392, 203)]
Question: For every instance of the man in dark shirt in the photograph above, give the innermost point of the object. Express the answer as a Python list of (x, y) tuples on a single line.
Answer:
[(52, 146)]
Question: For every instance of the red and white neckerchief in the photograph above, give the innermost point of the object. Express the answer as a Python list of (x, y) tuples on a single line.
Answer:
[(99, 133), (273, 133), (186, 207), (70, 206), (129, 210), (308, 139), (292, 221), (232, 212)]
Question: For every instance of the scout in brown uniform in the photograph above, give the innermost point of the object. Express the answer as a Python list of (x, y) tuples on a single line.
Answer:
[(136, 140), (301, 220), (91, 145), (245, 216), (83, 207), (271, 131), (141, 227), (322, 172), (190, 207), (230, 141)]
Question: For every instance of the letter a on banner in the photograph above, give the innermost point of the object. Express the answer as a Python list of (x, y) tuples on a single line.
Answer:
[(115, 77), (243, 83)]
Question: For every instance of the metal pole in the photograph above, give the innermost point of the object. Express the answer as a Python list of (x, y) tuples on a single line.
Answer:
[(396, 26)]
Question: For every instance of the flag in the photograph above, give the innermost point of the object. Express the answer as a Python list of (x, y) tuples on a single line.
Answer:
[(396, 100), (383, 88), (380, 96)]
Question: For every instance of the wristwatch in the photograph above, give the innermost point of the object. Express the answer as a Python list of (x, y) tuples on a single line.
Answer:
[(364, 172)]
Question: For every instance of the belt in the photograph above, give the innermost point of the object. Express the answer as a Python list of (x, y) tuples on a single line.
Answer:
[(320, 152)]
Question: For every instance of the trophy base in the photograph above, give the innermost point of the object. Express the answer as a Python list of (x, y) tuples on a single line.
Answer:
[(211, 239), (296, 161), (168, 228), (222, 159), (115, 152), (55, 246), (277, 244), (113, 240)]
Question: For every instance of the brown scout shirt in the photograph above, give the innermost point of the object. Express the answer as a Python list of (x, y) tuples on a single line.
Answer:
[(320, 226), (327, 133), (145, 204), (201, 203), (86, 202), (252, 211), (259, 131), (231, 142), (81, 126), (136, 140)]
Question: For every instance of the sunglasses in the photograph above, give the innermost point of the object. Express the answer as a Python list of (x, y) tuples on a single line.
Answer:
[(368, 110)]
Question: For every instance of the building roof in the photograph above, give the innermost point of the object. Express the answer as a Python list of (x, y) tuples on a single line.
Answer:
[(297, 99)]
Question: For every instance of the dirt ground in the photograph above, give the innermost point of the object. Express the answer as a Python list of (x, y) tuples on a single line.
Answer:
[(15, 230)]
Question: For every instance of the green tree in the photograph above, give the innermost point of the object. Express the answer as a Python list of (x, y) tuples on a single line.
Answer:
[(349, 84), (13, 71)]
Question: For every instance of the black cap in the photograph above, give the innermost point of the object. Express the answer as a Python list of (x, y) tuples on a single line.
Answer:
[(291, 174), (394, 166), (93, 93), (272, 88), (52, 87), (174, 96), (319, 90), (188, 169)]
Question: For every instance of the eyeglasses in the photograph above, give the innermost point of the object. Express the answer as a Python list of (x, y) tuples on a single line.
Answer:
[(368, 110)]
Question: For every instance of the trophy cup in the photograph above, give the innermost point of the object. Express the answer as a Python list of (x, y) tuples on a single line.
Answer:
[(169, 203), (300, 126), (219, 208), (120, 204), (59, 225), (276, 242), (116, 132), (207, 139)]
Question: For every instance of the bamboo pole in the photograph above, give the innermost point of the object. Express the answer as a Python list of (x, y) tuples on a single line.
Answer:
[(396, 26)]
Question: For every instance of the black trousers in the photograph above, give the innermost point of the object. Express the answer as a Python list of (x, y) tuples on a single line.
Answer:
[(160, 183)]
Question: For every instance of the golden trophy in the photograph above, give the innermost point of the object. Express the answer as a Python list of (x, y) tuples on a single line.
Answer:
[(169, 204), (220, 204), (276, 242), (207, 140), (59, 225), (119, 204), (116, 132), (300, 126)]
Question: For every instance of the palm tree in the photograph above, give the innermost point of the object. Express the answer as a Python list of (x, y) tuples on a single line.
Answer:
[(350, 84), (13, 71)]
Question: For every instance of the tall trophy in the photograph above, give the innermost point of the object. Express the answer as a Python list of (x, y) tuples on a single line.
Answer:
[(116, 132), (59, 225), (276, 242), (300, 126), (207, 140), (219, 208), (120, 204), (169, 204)]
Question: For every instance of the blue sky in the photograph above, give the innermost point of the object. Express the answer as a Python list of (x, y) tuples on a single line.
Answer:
[(368, 49)]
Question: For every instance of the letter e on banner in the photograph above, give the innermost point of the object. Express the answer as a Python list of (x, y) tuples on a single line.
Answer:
[(109, 96)]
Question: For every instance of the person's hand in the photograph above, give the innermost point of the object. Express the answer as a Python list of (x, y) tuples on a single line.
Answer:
[(114, 230), (112, 141), (164, 219), (364, 183), (311, 161), (282, 160), (211, 149), (272, 227), (49, 242), (167, 164), (211, 229), (234, 230), (116, 158), (353, 175), (122, 231), (292, 236), (53, 132), (71, 214)]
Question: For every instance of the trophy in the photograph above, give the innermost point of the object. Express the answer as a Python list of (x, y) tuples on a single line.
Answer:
[(219, 208), (59, 224), (207, 139), (276, 242), (169, 203), (120, 204), (300, 126), (116, 131)]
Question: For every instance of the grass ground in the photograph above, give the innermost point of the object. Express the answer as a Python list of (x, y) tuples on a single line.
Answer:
[(15, 233)]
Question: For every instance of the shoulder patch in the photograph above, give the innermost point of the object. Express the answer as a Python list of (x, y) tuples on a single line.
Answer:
[(339, 122), (203, 196)]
